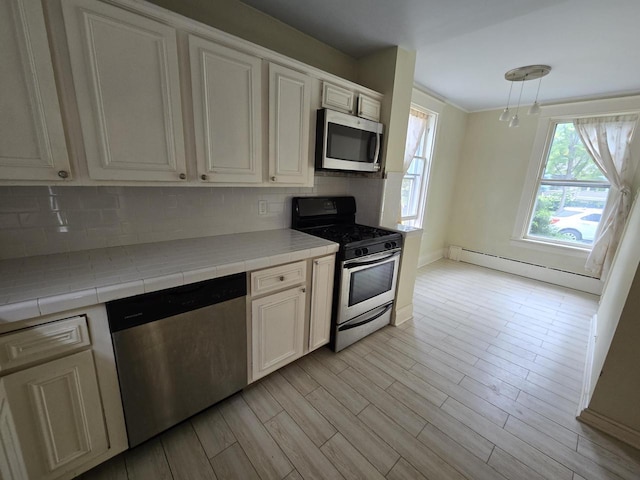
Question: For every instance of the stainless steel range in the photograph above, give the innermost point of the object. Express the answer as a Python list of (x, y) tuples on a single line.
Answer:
[(367, 268)]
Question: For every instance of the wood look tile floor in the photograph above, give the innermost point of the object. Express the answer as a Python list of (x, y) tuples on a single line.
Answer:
[(483, 383)]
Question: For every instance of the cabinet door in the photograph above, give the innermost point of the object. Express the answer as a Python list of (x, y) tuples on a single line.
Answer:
[(125, 71), (227, 102), (277, 323), (321, 301), (337, 98), (57, 411), (289, 111), (32, 143), (368, 108), (11, 461)]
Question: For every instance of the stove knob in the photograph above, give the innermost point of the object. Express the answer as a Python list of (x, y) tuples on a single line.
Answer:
[(387, 245), (358, 252), (365, 251), (394, 244)]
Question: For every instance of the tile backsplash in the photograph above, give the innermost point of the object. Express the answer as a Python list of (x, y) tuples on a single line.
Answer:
[(43, 220)]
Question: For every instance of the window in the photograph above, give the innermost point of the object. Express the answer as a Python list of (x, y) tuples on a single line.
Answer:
[(571, 192), (414, 183)]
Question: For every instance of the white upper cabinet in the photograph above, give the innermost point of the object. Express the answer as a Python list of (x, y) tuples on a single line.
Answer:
[(125, 71), (337, 98), (227, 102), (32, 141), (289, 112), (368, 108)]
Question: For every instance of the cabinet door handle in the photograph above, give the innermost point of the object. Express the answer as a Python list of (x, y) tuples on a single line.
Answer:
[(273, 179), (183, 176), (63, 174), (303, 290), (282, 278), (203, 177)]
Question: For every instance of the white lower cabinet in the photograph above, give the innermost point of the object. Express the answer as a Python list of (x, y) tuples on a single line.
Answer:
[(56, 418), (284, 323), (321, 301), (11, 461), (277, 329)]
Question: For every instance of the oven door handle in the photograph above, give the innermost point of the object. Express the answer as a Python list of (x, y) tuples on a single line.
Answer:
[(349, 326), (356, 263)]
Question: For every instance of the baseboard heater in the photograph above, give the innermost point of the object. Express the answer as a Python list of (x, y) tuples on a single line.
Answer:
[(553, 275)]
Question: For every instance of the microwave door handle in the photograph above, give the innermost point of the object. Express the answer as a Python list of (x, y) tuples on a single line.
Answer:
[(356, 263), (376, 155), (364, 322), (371, 152)]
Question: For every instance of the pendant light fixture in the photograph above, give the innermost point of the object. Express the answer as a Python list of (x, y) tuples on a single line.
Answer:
[(504, 117), (523, 74), (515, 121)]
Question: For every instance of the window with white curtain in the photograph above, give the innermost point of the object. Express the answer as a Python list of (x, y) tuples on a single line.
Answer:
[(571, 193), (417, 165)]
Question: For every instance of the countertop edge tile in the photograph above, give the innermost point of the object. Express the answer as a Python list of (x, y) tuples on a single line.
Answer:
[(120, 290), (161, 282), (67, 301), (230, 269), (257, 263), (299, 255), (13, 312), (200, 274)]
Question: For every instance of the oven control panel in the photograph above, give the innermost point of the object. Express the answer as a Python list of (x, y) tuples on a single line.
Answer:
[(357, 251)]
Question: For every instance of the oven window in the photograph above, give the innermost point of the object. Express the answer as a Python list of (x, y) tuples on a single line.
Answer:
[(370, 282), (346, 143)]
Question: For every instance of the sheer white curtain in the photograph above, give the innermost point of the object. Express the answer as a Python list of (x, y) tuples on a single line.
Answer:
[(607, 139), (417, 125)]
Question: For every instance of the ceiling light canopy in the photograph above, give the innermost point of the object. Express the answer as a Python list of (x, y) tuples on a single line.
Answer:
[(523, 74)]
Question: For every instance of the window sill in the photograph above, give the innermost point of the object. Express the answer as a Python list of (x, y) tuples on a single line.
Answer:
[(542, 246)]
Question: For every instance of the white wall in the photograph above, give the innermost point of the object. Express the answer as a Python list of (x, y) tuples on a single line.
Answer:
[(246, 22), (450, 130), (609, 389), (391, 71)]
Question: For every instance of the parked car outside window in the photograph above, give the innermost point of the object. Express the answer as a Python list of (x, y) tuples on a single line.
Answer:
[(577, 224)]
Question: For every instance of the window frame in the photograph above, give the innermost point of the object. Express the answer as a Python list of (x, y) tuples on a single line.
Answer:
[(549, 117), (428, 148)]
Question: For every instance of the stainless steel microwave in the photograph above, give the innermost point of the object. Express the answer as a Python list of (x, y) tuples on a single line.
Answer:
[(345, 142)]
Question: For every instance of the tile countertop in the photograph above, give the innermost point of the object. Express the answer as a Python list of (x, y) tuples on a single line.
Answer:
[(46, 284)]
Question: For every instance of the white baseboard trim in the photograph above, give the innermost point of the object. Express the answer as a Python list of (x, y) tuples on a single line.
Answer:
[(615, 429), (403, 314), (588, 369), (431, 257), (536, 272)]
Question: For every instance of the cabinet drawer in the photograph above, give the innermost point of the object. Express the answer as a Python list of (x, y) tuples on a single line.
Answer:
[(277, 278), (42, 342)]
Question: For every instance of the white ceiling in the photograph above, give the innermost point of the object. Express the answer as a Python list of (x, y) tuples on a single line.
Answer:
[(464, 47)]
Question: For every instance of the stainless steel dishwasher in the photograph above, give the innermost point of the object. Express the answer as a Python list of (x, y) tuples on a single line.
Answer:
[(178, 351)]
